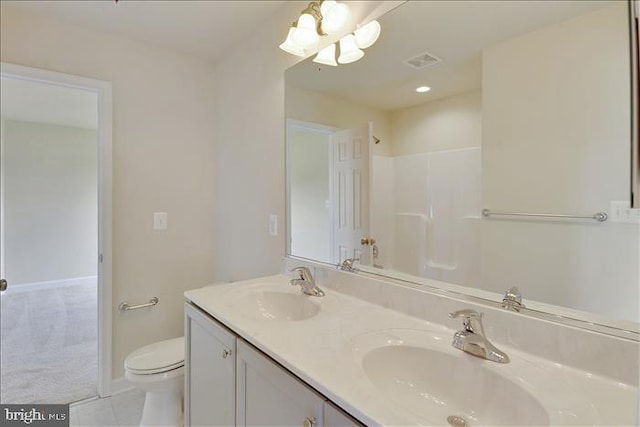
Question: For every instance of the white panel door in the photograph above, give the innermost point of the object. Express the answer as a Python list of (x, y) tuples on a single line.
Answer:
[(210, 365), (350, 195), (267, 395)]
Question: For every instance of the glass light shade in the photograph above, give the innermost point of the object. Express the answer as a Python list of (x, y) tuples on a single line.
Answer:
[(290, 46), (327, 56), (326, 5), (367, 34), (306, 34), (334, 17), (349, 51)]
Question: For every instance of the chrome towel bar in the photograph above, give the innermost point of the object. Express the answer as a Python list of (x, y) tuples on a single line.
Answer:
[(126, 307), (600, 216)]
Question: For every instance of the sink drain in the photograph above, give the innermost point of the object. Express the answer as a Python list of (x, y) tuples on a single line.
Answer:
[(456, 421)]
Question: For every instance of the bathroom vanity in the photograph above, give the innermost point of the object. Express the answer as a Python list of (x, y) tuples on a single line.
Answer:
[(374, 351), (230, 382)]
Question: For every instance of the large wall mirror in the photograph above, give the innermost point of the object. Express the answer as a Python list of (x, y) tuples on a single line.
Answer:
[(529, 111)]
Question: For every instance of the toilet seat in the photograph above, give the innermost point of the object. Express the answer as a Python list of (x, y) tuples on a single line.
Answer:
[(159, 357)]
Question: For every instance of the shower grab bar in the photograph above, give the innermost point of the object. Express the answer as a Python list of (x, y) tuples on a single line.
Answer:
[(126, 307), (599, 216)]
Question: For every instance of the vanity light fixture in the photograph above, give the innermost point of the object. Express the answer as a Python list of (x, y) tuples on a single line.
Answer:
[(367, 34), (351, 45), (318, 19), (290, 46), (423, 89), (349, 51), (305, 34), (334, 16), (329, 17), (327, 56)]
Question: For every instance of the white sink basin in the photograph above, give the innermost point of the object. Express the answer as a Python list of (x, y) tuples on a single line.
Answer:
[(275, 305), (450, 389)]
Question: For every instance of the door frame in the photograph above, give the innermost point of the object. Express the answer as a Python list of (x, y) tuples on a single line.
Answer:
[(103, 89)]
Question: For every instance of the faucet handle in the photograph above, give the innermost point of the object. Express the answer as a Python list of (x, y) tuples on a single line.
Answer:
[(513, 299), (303, 272), (471, 319), (466, 313), (348, 264)]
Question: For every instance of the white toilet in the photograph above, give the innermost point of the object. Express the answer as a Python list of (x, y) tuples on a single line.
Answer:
[(158, 369)]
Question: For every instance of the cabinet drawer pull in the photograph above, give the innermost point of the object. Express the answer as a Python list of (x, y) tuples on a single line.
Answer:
[(226, 353), (308, 422)]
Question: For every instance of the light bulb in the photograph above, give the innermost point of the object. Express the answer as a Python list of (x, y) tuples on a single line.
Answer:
[(334, 16), (367, 34), (306, 35), (290, 46), (327, 56), (349, 51)]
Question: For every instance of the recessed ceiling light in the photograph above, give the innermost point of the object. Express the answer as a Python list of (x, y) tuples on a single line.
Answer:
[(423, 89)]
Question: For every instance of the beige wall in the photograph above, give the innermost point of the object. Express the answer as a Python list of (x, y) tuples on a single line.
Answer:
[(445, 124), (50, 202), (555, 104), (555, 138), (322, 108), (163, 160)]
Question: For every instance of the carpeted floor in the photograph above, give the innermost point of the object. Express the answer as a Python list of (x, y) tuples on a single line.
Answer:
[(49, 351)]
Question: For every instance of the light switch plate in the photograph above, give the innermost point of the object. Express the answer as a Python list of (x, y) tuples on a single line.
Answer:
[(159, 221), (273, 225), (622, 212)]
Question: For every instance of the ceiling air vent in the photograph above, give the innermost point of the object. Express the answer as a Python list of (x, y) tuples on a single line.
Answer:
[(422, 61)]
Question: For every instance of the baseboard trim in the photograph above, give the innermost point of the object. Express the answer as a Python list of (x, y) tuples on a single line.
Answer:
[(120, 385)]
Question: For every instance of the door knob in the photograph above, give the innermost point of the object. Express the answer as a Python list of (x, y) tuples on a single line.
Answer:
[(3, 285), (367, 241)]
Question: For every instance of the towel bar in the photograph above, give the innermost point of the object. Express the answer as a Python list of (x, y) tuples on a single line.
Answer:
[(126, 307), (600, 216)]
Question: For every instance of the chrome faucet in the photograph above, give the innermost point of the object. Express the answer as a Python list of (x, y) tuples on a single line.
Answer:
[(306, 282), (348, 264), (513, 299), (472, 339)]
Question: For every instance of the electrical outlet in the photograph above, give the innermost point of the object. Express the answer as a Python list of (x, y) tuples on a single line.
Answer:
[(622, 212), (159, 221), (273, 225)]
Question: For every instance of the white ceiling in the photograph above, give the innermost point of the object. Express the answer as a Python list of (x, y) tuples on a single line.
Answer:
[(454, 31), (205, 29), (45, 103)]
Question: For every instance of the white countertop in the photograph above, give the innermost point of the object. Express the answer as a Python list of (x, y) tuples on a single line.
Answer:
[(326, 351)]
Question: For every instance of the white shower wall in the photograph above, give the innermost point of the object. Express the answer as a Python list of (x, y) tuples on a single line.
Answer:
[(433, 223)]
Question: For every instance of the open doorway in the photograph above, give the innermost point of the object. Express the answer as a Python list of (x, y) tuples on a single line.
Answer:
[(54, 235)]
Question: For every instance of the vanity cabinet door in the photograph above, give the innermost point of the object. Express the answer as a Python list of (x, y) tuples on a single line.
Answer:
[(210, 370), (335, 417), (267, 395)]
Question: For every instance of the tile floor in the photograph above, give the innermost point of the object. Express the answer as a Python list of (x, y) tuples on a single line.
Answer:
[(123, 409)]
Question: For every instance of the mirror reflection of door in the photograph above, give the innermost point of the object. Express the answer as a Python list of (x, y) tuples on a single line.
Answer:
[(350, 199)]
